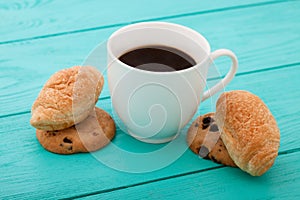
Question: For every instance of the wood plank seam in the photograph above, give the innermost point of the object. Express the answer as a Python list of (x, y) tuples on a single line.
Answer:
[(28, 111), (290, 151), (146, 182), (260, 70), (146, 20), (210, 79)]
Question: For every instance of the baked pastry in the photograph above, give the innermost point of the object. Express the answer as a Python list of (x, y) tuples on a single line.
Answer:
[(93, 133), (249, 131), (203, 138), (67, 98)]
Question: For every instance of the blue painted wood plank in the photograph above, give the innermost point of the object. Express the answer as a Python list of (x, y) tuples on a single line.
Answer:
[(36, 18), (28, 171), (25, 168), (224, 183), (25, 67)]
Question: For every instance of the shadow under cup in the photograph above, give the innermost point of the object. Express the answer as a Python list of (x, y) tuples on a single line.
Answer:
[(154, 106)]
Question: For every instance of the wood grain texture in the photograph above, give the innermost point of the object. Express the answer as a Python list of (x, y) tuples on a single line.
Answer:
[(223, 183), (26, 66), (39, 37), (28, 171), (25, 19)]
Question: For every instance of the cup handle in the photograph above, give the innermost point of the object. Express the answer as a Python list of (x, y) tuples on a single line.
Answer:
[(221, 84)]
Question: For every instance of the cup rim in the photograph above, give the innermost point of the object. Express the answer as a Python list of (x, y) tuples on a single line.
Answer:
[(167, 24)]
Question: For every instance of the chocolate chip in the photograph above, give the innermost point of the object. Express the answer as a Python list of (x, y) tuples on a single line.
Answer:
[(61, 145), (207, 120), (66, 140), (214, 128), (203, 152), (220, 150), (51, 133), (196, 124), (70, 148), (95, 133), (204, 126)]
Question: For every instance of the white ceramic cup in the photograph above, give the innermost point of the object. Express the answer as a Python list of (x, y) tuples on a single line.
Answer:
[(154, 106)]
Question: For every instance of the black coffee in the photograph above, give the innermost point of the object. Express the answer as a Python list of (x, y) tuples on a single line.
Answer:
[(158, 59)]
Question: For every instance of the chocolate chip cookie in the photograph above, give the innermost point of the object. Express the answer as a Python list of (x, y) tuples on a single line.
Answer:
[(93, 133), (204, 139)]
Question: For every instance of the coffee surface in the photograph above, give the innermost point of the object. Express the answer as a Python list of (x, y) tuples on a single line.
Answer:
[(158, 59)]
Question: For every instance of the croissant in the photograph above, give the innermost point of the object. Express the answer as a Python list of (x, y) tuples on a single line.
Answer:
[(248, 130), (67, 98)]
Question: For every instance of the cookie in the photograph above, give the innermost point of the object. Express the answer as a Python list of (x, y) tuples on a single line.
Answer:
[(249, 131), (67, 98), (204, 139), (93, 133)]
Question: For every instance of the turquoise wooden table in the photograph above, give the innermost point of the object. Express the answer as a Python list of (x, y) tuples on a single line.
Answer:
[(40, 37)]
